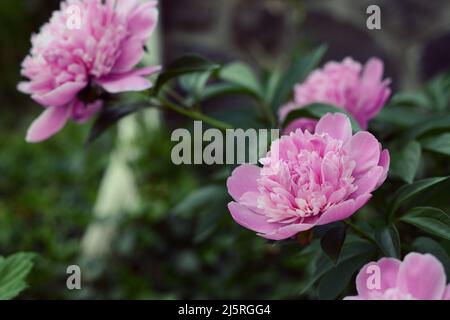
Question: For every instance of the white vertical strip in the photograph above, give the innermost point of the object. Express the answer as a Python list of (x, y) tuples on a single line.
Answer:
[(118, 193)]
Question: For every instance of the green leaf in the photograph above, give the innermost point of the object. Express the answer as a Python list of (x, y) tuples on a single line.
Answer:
[(439, 143), (439, 92), (431, 220), (242, 116), (243, 76), (410, 190), (271, 86), (198, 200), (436, 95), (185, 65), (353, 247), (316, 111), (210, 218), (434, 124), (338, 278), (403, 117), (405, 161), (388, 240), (208, 205), (427, 245), (220, 89), (13, 271), (414, 99), (332, 242), (194, 84), (297, 72), (110, 116)]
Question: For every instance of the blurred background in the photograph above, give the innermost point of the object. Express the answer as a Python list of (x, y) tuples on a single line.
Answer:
[(172, 243)]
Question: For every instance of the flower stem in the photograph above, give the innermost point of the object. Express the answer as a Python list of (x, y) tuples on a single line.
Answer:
[(179, 99), (196, 115)]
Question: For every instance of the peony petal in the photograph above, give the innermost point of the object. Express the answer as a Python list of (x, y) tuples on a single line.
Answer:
[(287, 231), (368, 182), (361, 201), (366, 278), (338, 212), (24, 87), (384, 162), (250, 219), (329, 171), (48, 123), (422, 276), (372, 92), (373, 71), (364, 149), (304, 124), (243, 180), (143, 20), (40, 85), (337, 126), (60, 96), (446, 293), (250, 200), (131, 81), (343, 210), (353, 298), (132, 53), (125, 7), (82, 112), (117, 84)]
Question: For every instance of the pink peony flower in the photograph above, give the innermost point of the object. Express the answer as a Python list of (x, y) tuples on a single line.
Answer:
[(308, 179), (70, 65), (418, 277), (360, 91)]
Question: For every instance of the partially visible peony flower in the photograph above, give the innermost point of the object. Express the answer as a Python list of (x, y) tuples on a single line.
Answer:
[(418, 277), (348, 85), (70, 65), (301, 123), (308, 179)]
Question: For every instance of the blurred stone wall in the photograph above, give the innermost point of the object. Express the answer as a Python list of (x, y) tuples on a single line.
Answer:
[(414, 40)]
